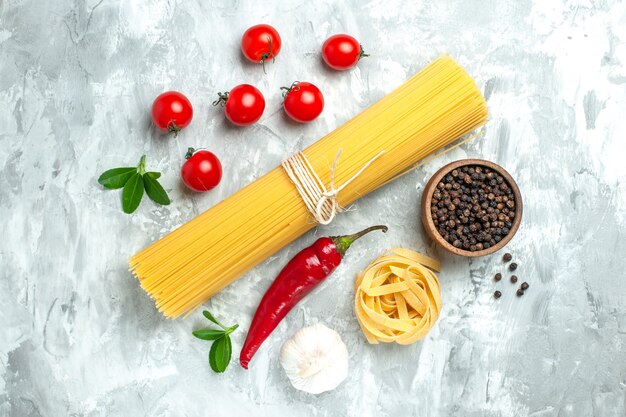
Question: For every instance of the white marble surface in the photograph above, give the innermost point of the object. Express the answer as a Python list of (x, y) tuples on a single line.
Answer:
[(80, 338)]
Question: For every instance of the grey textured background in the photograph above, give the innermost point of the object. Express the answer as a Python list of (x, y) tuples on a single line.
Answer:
[(80, 338)]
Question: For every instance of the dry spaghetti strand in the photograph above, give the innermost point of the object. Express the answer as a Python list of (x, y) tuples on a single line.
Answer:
[(428, 112)]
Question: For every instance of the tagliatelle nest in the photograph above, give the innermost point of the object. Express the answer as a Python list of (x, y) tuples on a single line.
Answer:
[(398, 297)]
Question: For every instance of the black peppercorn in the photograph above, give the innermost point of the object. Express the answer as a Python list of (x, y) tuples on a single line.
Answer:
[(497, 294), (507, 257), (513, 266), (524, 286), (498, 276), (520, 292), (513, 279), (473, 208)]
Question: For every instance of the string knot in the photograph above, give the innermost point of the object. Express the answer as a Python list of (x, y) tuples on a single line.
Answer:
[(320, 201)]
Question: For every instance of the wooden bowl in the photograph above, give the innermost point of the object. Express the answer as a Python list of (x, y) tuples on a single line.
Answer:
[(427, 196)]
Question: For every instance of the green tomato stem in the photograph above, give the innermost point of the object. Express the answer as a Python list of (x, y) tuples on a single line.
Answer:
[(362, 53), (222, 98)]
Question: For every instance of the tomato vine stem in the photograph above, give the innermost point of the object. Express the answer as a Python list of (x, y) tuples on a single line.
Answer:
[(267, 55), (362, 53), (294, 87), (172, 127), (221, 100)]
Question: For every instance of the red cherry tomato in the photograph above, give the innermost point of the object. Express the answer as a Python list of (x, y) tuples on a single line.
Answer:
[(303, 101), (342, 52), (202, 170), (260, 43), (171, 112), (243, 104)]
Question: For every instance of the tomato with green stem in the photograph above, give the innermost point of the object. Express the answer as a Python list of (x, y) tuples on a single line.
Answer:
[(303, 101), (260, 43), (342, 52), (171, 112), (202, 170), (243, 105)]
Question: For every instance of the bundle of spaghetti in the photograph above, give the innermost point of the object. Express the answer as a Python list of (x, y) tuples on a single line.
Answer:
[(428, 112)]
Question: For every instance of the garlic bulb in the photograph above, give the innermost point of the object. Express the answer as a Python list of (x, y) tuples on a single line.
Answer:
[(315, 359)]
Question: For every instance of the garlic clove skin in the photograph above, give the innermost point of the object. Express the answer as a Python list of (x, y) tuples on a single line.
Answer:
[(315, 359)]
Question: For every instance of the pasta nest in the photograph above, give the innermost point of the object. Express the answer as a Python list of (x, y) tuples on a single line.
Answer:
[(398, 297)]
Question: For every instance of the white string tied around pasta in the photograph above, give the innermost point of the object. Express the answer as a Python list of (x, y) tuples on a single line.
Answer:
[(320, 201)]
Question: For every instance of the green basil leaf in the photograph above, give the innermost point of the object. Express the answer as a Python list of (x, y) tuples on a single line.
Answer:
[(116, 177), (220, 353), (155, 191), (132, 193), (208, 334), (212, 362), (210, 317), (155, 175)]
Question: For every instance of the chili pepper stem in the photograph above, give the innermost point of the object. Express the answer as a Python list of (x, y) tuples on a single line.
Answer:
[(342, 243)]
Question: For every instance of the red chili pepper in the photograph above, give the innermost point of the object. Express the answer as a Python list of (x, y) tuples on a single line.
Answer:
[(298, 278)]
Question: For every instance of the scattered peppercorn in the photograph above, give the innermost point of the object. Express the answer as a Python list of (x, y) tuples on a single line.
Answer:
[(513, 279), (473, 208), (507, 257), (524, 286), (498, 276), (520, 292), (513, 266), (497, 294)]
